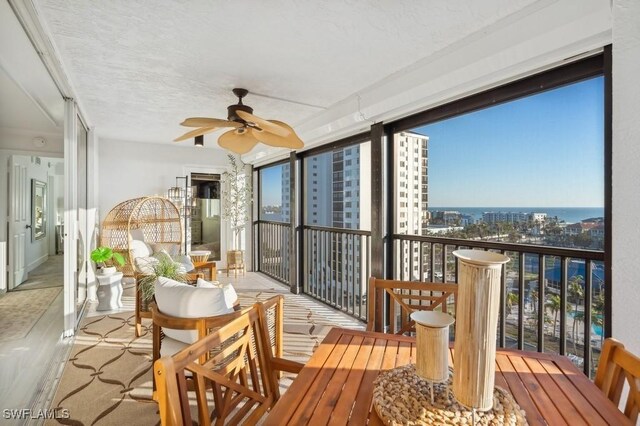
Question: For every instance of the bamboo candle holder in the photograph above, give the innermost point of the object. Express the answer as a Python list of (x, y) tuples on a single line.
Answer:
[(477, 310), (432, 345)]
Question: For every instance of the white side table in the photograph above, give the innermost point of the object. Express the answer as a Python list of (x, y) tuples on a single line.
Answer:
[(109, 292)]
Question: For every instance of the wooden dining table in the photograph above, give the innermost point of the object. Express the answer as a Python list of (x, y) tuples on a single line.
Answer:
[(336, 386)]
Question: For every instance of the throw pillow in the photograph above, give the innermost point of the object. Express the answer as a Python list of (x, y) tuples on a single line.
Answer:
[(185, 262), (229, 293), (173, 249), (144, 265), (139, 248), (184, 301), (162, 255)]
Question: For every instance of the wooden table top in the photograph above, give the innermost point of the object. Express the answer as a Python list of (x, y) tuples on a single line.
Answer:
[(336, 385)]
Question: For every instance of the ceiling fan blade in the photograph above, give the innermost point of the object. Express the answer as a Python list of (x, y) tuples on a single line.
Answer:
[(239, 141), (196, 132), (267, 125), (208, 122), (292, 141)]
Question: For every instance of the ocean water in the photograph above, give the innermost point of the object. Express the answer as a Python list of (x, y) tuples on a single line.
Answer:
[(568, 214)]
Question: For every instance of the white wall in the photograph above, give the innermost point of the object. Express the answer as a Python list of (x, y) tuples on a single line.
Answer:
[(131, 169), (626, 173)]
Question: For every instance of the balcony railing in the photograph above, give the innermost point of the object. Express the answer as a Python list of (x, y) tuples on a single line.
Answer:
[(273, 255), (564, 315), (336, 267)]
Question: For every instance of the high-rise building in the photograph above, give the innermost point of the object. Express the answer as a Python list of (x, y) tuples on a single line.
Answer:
[(412, 196), (338, 185), (318, 190), (285, 207)]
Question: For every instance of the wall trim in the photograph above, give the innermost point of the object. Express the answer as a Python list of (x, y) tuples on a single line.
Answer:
[(39, 261)]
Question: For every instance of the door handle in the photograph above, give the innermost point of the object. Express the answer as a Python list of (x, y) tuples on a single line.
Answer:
[(27, 226)]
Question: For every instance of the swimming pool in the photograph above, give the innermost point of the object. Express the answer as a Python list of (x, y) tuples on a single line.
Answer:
[(595, 328)]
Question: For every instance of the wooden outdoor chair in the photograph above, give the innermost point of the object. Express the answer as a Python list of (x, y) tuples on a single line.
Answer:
[(410, 296), (142, 309), (203, 325), (240, 374), (617, 366)]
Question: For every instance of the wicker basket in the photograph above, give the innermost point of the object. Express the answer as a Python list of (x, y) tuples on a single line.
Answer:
[(199, 256)]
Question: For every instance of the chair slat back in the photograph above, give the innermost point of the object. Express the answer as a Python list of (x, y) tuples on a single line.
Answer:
[(409, 296), (617, 367), (238, 370)]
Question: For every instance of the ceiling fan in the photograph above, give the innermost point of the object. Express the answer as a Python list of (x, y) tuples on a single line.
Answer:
[(248, 129)]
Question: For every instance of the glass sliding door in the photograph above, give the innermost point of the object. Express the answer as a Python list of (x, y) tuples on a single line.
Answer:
[(83, 239)]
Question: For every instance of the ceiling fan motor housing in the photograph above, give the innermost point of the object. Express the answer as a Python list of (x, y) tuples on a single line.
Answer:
[(232, 116)]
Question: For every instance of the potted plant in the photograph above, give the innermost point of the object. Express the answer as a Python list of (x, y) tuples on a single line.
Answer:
[(164, 267), (105, 257), (236, 198)]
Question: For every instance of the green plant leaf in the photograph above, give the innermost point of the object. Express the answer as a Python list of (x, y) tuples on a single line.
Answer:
[(118, 258), (101, 254)]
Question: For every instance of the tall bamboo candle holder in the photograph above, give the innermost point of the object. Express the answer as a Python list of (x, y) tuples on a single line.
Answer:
[(478, 306)]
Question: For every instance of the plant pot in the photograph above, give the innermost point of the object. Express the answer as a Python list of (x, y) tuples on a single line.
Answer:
[(235, 257), (235, 260), (108, 270)]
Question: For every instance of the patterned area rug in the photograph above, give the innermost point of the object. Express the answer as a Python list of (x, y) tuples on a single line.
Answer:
[(108, 378), (20, 310)]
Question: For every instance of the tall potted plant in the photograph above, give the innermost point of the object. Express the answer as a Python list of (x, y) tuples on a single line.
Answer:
[(236, 196)]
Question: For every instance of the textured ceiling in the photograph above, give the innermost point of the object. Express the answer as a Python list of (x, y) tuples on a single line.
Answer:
[(139, 70)]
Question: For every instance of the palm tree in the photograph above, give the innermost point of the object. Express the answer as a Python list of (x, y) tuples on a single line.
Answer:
[(534, 301), (576, 291), (512, 299), (482, 230), (553, 304), (578, 317)]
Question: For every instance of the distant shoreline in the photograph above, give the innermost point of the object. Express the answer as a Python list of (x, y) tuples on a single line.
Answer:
[(567, 214)]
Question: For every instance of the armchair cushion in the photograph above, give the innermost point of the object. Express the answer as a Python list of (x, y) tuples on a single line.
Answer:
[(139, 248), (171, 346), (173, 249), (144, 264), (186, 301), (228, 292), (185, 262)]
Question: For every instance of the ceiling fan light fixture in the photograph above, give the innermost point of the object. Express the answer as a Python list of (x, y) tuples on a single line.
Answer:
[(247, 129)]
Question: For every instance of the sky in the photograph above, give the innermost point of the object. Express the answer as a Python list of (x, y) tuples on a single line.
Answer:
[(271, 186), (545, 150)]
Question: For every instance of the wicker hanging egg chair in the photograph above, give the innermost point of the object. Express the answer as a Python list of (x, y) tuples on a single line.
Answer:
[(154, 219)]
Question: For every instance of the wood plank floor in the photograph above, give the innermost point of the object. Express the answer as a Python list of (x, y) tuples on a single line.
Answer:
[(28, 365)]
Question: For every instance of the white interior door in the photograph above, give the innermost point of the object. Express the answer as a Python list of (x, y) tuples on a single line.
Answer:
[(19, 219)]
